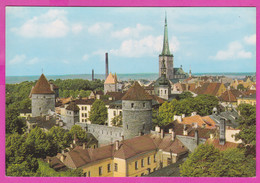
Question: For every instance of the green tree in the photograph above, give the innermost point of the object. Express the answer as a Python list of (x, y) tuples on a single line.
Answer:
[(166, 113), (207, 161), (25, 169), (117, 121), (247, 126), (39, 144), (77, 131), (13, 122), (98, 113), (61, 138), (185, 95)]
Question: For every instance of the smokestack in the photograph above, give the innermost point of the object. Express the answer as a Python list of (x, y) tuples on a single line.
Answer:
[(92, 74), (106, 65), (222, 132)]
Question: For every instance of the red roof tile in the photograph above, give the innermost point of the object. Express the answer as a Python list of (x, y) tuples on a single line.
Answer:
[(42, 86), (136, 93)]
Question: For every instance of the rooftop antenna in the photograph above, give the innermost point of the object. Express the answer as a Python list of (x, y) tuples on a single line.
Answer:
[(42, 70)]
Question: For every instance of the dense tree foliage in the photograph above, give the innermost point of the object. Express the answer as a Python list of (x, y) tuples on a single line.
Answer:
[(202, 104), (98, 113), (241, 87), (117, 121), (184, 95), (45, 171), (207, 161), (12, 121), (247, 126)]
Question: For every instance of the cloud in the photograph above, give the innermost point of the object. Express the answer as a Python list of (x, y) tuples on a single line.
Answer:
[(17, 59), (52, 24), (148, 46), (250, 39), (76, 28), (33, 61), (99, 27), (85, 57), (131, 31), (235, 50), (65, 61)]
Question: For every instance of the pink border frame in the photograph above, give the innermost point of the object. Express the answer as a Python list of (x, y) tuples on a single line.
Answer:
[(116, 3)]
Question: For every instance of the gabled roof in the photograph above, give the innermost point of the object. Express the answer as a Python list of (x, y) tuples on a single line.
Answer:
[(230, 95), (136, 93), (72, 106), (42, 86), (111, 79), (206, 120), (78, 156), (208, 88), (227, 145)]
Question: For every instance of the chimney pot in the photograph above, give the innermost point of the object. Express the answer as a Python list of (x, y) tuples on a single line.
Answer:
[(84, 146), (117, 145), (162, 135), (123, 138), (172, 135)]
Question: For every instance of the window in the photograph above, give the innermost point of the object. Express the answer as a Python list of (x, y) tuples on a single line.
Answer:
[(154, 158), (108, 168), (154, 169), (114, 113), (82, 115), (100, 171), (89, 173), (149, 160), (143, 104), (165, 92), (136, 165), (85, 174), (82, 120), (40, 108), (120, 112), (142, 174), (169, 161), (82, 108), (85, 114), (126, 126), (132, 105), (85, 108), (116, 167), (142, 162)]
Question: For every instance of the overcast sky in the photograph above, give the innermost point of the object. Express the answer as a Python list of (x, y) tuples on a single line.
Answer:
[(74, 40)]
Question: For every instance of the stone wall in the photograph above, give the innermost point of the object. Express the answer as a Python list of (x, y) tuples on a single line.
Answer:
[(110, 88), (104, 134), (41, 103)]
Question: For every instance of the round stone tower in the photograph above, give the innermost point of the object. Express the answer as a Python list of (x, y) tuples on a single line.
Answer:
[(162, 86), (43, 98), (137, 112)]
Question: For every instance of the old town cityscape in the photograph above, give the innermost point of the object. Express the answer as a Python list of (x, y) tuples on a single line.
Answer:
[(178, 125)]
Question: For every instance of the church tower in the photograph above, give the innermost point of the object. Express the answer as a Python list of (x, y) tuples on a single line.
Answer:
[(162, 86), (166, 55), (137, 112)]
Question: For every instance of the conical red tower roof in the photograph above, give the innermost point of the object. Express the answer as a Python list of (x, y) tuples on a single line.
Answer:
[(136, 93), (42, 86)]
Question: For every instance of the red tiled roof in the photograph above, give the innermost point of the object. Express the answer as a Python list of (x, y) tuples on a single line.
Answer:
[(116, 95), (208, 88), (136, 93), (230, 95), (78, 156), (42, 86), (199, 120), (227, 145)]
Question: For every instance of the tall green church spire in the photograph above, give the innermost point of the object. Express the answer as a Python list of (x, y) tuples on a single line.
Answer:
[(166, 50)]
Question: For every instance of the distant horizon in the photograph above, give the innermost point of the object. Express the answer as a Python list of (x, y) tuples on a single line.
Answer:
[(129, 73)]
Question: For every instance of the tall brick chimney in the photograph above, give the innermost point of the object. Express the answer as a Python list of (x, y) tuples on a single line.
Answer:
[(106, 65)]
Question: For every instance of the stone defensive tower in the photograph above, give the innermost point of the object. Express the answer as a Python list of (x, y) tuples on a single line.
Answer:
[(166, 55), (110, 84), (137, 112), (43, 97), (162, 86), (72, 114)]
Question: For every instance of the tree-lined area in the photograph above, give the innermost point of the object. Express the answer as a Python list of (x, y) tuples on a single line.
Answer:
[(23, 151), (202, 104)]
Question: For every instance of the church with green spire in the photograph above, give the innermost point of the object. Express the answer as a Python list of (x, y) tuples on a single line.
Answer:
[(172, 73)]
